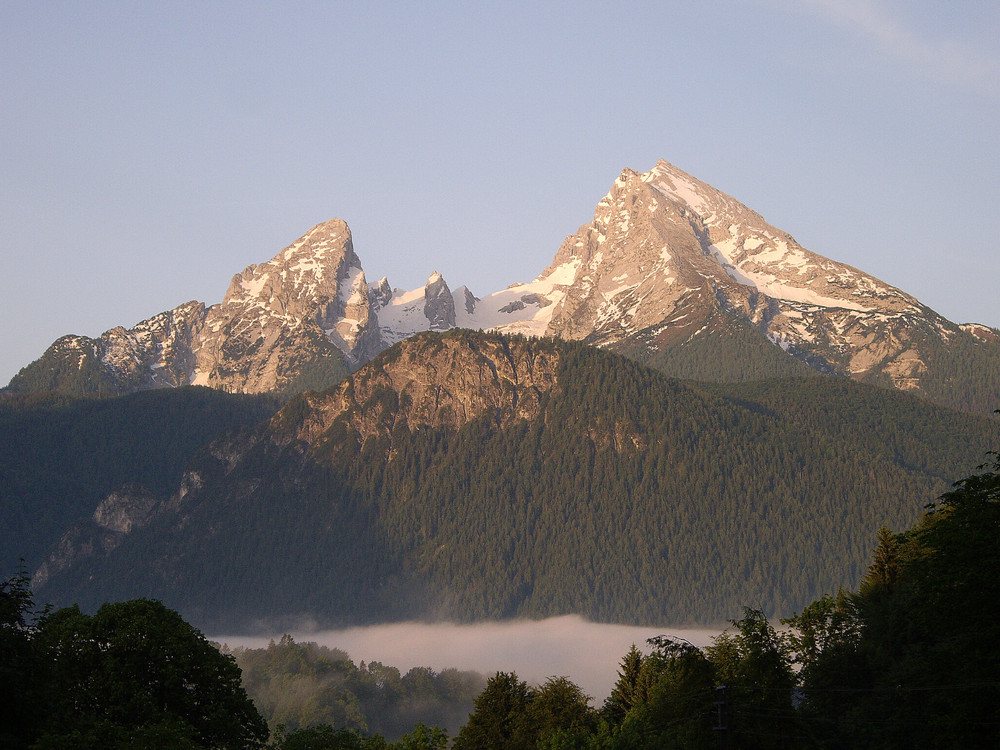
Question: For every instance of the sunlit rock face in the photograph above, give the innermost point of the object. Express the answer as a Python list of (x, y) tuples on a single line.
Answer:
[(666, 252), (122, 512), (667, 261), (444, 382), (280, 316)]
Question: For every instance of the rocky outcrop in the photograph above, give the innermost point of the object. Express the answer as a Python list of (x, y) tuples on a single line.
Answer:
[(465, 300), (430, 382), (379, 294), (439, 306), (122, 512)]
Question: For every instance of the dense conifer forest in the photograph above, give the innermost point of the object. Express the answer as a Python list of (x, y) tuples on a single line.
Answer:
[(963, 375), (735, 352), (59, 456), (633, 497), (908, 660)]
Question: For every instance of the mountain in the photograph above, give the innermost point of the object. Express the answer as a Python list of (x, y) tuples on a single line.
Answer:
[(100, 466), (671, 272), (676, 273), (467, 475), (299, 321)]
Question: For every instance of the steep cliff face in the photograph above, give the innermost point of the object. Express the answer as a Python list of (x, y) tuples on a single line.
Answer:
[(431, 382), (308, 304)]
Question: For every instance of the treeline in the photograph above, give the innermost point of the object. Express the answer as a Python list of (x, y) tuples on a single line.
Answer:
[(962, 374), (729, 351), (77, 372), (298, 685)]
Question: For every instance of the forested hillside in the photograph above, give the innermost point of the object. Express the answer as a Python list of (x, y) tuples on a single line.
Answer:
[(908, 661), (59, 456), (613, 492)]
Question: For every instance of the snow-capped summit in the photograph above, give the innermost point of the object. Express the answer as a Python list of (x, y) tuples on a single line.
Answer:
[(667, 264), (669, 260), (314, 288)]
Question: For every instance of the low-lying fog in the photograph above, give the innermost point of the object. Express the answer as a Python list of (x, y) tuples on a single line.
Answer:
[(586, 652)]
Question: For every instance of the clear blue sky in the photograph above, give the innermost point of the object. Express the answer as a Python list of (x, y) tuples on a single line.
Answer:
[(152, 150)]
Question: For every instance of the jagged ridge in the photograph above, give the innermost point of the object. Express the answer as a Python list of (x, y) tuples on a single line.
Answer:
[(667, 262)]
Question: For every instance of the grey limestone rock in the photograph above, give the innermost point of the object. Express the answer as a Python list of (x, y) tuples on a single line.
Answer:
[(123, 511), (439, 305)]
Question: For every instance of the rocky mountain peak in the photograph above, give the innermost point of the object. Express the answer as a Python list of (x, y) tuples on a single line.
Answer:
[(465, 300), (439, 305), (309, 270), (380, 294), (666, 261), (314, 290), (667, 258)]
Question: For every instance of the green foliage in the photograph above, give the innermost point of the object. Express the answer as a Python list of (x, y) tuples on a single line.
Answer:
[(22, 707), (499, 719), (423, 737), (559, 714), (135, 675), (326, 737), (910, 661), (668, 695), (630, 689), (510, 715), (136, 667), (754, 667), (298, 685)]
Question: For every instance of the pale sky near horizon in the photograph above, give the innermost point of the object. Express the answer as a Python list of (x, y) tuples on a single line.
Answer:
[(152, 150)]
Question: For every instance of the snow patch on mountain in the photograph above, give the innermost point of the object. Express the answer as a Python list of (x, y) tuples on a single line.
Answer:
[(663, 256)]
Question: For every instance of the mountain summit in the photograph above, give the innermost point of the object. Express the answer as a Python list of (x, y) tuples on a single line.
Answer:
[(671, 271), (669, 259)]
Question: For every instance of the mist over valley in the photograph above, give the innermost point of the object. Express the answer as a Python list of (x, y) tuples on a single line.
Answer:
[(588, 653)]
